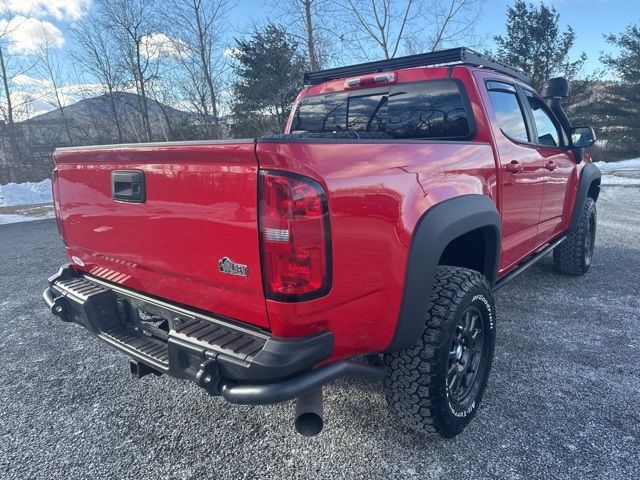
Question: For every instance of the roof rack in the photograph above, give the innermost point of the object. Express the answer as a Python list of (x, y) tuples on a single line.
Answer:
[(461, 55)]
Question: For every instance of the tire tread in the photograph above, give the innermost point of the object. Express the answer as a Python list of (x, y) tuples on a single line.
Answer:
[(569, 256), (412, 373)]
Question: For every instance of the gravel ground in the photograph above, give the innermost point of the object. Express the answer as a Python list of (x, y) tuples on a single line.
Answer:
[(562, 401)]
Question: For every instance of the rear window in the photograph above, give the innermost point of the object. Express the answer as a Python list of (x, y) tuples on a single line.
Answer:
[(423, 110)]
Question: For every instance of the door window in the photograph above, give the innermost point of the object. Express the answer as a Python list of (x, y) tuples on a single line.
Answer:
[(548, 133), (508, 110)]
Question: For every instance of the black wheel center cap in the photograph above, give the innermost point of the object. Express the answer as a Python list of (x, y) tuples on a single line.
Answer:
[(459, 352)]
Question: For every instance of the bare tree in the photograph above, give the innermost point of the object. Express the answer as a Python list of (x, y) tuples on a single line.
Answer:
[(161, 95), (48, 67), (131, 22), (449, 22), (307, 5), (8, 107), (381, 23), (97, 53), (11, 66), (196, 32), (309, 22), (389, 27)]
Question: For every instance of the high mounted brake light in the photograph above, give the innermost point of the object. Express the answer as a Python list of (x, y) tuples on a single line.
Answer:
[(369, 80), (294, 237)]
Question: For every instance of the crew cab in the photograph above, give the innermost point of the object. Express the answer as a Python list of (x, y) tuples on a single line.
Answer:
[(366, 241)]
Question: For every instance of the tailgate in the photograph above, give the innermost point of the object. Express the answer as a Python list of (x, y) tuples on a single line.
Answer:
[(193, 239)]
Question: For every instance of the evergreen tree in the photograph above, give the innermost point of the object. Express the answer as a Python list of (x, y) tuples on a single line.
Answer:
[(269, 68), (613, 106), (627, 62), (535, 44), (620, 103)]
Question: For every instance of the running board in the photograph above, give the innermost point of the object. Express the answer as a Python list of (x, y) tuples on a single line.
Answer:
[(522, 267)]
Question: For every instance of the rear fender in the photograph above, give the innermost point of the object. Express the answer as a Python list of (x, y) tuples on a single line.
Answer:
[(440, 225)]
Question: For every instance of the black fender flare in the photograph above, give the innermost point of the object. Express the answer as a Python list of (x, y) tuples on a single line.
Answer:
[(437, 227), (589, 174)]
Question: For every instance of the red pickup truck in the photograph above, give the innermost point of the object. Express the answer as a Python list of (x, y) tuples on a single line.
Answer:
[(365, 242)]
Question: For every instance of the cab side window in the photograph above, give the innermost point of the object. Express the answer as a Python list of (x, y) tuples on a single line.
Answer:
[(508, 110), (548, 133)]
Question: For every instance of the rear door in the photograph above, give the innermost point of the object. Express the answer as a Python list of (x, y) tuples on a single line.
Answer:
[(520, 171), (558, 165), (191, 237)]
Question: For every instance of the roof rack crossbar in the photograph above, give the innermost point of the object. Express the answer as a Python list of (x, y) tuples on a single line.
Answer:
[(461, 55)]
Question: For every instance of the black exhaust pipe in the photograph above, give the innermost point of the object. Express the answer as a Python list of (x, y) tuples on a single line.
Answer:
[(309, 413)]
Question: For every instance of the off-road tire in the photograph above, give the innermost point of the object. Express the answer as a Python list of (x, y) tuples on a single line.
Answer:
[(416, 383), (574, 255)]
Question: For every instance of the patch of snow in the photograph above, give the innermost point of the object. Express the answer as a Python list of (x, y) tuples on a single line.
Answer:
[(12, 218), (29, 193), (614, 180), (632, 164), (623, 173)]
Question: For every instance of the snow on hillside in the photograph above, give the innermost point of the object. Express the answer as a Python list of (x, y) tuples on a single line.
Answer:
[(29, 193)]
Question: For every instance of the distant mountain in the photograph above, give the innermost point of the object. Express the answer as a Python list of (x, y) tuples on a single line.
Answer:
[(126, 104), (91, 122)]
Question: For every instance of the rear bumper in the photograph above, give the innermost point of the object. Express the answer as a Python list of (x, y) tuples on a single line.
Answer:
[(243, 365)]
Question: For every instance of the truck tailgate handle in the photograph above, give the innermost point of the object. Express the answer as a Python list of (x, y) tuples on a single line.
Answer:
[(128, 186)]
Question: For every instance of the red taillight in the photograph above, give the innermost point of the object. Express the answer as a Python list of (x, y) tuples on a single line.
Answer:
[(295, 239)]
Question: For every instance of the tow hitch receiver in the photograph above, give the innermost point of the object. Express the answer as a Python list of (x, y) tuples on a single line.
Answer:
[(139, 369)]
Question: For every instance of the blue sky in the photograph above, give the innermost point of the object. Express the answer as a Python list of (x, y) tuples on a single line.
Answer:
[(590, 19)]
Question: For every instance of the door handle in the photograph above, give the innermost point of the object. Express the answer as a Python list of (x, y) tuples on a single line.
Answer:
[(128, 186), (514, 166), (550, 165)]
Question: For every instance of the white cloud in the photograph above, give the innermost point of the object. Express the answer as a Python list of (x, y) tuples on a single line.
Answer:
[(32, 96), (41, 87), (231, 52), (58, 9), (26, 34), (26, 81), (158, 45)]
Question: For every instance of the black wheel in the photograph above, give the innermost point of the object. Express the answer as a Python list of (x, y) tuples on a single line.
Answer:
[(436, 385), (574, 255)]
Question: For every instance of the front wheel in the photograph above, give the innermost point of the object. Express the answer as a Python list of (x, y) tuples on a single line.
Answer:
[(574, 255), (436, 385)]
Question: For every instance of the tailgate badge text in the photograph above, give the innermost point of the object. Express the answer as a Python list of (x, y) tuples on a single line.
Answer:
[(226, 265)]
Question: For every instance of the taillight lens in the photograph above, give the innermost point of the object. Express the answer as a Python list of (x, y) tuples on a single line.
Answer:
[(295, 238)]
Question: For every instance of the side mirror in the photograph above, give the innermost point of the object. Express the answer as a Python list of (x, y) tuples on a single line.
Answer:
[(582, 137)]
